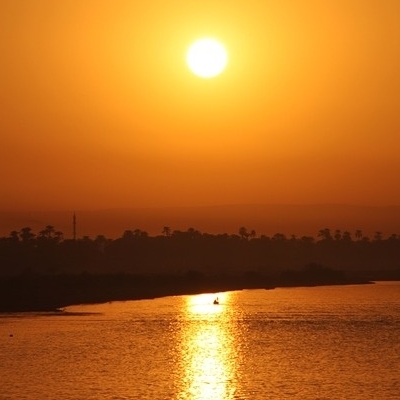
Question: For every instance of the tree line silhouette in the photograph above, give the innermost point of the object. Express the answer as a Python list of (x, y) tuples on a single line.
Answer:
[(173, 251), (44, 271)]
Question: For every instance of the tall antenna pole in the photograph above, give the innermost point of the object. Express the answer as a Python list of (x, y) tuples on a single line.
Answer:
[(74, 226)]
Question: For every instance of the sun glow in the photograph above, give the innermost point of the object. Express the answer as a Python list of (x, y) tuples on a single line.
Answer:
[(207, 58)]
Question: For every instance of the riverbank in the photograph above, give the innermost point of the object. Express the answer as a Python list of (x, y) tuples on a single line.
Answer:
[(54, 292)]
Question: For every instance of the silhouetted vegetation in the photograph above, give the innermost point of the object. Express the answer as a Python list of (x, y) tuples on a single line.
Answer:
[(43, 270)]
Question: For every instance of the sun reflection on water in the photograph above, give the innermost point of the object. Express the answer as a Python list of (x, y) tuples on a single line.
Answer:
[(203, 304), (207, 352)]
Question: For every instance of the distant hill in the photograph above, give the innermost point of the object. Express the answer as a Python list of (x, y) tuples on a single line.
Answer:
[(264, 219)]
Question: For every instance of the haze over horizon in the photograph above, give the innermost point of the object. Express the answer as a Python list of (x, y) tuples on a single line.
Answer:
[(299, 220), (98, 109)]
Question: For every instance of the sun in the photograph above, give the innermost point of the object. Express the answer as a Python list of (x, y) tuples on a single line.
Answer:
[(207, 58)]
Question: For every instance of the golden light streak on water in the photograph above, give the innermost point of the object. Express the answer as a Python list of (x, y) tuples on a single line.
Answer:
[(204, 303), (207, 353)]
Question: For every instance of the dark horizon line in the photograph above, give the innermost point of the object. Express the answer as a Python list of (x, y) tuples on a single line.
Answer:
[(247, 234)]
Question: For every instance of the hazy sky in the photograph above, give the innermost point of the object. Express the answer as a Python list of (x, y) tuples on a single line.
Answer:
[(98, 108)]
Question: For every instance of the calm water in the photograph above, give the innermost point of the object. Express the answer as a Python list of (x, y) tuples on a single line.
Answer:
[(338, 342)]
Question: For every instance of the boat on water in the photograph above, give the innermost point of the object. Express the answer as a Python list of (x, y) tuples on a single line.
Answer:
[(216, 301)]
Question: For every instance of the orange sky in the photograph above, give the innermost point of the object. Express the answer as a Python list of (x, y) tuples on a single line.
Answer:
[(99, 110)]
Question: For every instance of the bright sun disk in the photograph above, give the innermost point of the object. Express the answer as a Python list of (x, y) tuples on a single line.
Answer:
[(207, 58)]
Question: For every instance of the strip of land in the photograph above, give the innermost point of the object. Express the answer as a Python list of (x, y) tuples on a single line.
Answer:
[(54, 292)]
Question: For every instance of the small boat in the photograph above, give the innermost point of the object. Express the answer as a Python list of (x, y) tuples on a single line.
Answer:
[(216, 301)]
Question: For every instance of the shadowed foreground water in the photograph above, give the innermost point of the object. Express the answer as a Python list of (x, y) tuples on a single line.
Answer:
[(335, 342)]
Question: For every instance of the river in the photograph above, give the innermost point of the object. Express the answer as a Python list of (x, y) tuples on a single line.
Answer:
[(332, 342)]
